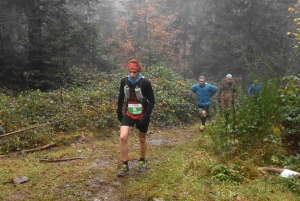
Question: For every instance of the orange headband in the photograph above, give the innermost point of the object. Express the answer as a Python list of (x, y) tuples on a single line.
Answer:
[(134, 66)]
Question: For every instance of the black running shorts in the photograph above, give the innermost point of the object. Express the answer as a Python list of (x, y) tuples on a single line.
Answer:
[(206, 108), (128, 121)]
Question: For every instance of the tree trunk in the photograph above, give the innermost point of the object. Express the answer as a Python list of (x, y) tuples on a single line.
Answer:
[(3, 57), (34, 32), (35, 72)]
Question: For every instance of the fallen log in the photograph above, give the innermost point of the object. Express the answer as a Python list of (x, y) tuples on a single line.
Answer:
[(61, 159), (19, 131), (277, 170), (39, 148)]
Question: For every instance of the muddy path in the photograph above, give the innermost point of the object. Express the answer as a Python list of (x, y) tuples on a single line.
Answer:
[(108, 185), (94, 177)]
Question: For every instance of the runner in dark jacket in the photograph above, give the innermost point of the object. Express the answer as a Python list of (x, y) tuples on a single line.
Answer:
[(138, 93), (227, 94)]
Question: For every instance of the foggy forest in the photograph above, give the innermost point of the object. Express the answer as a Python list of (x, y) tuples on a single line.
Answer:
[(41, 39), (62, 66)]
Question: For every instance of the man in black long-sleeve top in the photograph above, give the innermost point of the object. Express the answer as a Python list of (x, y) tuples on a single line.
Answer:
[(138, 93)]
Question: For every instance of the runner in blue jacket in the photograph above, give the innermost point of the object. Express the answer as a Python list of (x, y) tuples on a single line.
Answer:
[(254, 88), (203, 91)]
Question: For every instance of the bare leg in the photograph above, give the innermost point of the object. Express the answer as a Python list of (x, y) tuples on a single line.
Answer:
[(143, 144), (203, 113), (124, 133)]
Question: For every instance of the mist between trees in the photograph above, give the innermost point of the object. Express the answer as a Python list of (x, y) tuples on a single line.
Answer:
[(40, 40)]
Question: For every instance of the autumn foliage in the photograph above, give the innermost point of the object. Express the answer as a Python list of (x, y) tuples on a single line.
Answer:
[(145, 32)]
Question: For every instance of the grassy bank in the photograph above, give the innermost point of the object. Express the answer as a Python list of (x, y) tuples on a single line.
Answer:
[(191, 171), (181, 166)]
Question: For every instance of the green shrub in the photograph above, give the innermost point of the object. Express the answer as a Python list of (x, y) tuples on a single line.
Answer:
[(290, 99), (88, 102), (224, 173), (263, 124)]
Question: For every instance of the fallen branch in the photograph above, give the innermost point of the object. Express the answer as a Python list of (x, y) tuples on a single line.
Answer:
[(59, 160), (19, 131), (276, 170), (39, 148)]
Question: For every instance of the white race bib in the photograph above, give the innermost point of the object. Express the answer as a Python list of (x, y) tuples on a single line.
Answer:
[(135, 108)]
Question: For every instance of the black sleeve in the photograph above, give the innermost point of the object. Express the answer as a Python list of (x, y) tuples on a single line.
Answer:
[(121, 95), (149, 95)]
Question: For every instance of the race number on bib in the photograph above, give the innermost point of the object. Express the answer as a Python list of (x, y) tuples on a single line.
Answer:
[(135, 108)]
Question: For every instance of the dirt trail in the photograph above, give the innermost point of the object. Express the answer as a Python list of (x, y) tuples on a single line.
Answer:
[(93, 178), (110, 187)]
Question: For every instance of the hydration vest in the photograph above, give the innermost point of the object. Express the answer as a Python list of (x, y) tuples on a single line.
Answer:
[(137, 89)]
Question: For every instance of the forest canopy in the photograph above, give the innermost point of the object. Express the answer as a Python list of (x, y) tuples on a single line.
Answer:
[(41, 40)]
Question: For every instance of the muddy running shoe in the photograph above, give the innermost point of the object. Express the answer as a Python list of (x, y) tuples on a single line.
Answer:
[(141, 166), (202, 128), (123, 170)]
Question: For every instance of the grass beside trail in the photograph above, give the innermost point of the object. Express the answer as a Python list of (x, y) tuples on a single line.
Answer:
[(183, 168), (82, 179), (189, 172)]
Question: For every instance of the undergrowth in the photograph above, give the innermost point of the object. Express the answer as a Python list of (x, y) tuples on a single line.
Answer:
[(194, 172), (88, 103), (263, 127), (219, 164)]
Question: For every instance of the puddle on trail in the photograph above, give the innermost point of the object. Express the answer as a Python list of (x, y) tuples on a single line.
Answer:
[(105, 190), (169, 137)]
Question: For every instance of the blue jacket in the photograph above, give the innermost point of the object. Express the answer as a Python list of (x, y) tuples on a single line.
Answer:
[(253, 89), (204, 93)]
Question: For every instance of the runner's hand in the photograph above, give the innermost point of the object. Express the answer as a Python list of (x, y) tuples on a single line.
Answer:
[(144, 120)]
